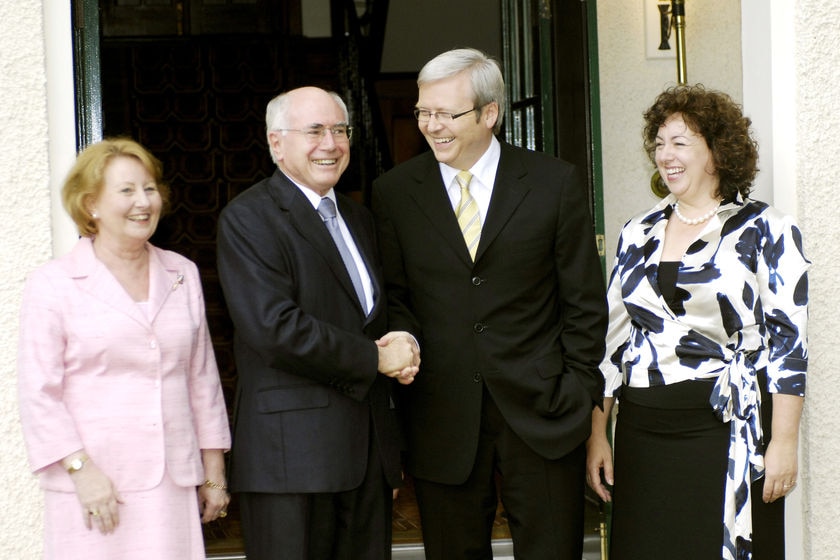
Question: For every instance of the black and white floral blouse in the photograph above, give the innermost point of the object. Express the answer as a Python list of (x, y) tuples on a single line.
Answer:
[(742, 295)]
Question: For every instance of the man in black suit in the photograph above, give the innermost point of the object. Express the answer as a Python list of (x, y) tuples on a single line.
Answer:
[(316, 444), (509, 309)]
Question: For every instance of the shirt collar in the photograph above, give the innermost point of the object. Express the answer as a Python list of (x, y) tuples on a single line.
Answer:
[(662, 210), (484, 169), (313, 197)]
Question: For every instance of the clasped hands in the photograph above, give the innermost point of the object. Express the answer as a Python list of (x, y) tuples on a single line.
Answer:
[(399, 356)]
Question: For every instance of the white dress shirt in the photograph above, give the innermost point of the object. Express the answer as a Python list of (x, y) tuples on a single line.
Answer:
[(481, 185), (315, 199)]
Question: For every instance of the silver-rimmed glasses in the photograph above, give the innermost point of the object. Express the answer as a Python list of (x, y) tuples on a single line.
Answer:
[(315, 134), (424, 115)]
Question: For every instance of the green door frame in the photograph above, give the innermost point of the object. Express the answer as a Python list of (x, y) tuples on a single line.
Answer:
[(531, 118), (595, 129), (87, 75), (517, 17)]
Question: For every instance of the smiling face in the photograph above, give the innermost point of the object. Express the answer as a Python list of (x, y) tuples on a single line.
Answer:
[(314, 163), (458, 143), (128, 207), (685, 162)]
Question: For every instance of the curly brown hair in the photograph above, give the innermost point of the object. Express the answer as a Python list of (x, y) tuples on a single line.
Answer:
[(721, 122), (86, 178)]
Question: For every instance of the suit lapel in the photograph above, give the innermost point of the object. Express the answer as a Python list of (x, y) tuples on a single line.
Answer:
[(433, 201), (305, 219), (367, 250), (164, 278), (508, 191)]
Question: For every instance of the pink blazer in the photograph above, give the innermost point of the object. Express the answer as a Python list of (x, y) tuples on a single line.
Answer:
[(137, 389)]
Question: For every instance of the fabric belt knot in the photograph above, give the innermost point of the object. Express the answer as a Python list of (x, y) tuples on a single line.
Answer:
[(327, 210), (467, 214), (736, 398)]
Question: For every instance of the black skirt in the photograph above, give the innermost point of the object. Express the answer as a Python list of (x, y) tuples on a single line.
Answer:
[(671, 456)]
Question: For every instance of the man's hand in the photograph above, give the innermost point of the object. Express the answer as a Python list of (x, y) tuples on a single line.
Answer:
[(399, 356)]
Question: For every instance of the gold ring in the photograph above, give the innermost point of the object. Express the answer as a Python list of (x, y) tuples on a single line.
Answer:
[(222, 514), (94, 513)]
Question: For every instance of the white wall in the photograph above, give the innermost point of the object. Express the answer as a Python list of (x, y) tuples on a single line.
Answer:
[(812, 45), (630, 82), (25, 242)]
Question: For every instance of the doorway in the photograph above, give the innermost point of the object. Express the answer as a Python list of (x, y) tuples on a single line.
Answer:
[(190, 80)]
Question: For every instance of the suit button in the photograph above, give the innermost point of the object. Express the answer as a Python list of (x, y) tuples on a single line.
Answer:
[(476, 281), (479, 328), (477, 377)]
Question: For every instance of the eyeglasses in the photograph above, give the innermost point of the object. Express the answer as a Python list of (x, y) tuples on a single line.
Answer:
[(424, 115), (315, 134)]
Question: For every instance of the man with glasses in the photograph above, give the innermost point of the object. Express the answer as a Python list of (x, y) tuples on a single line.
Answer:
[(490, 262), (316, 446)]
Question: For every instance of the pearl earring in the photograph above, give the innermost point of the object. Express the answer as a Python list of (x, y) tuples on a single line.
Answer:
[(94, 215)]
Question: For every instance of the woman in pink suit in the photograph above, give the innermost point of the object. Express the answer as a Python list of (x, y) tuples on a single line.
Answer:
[(120, 400)]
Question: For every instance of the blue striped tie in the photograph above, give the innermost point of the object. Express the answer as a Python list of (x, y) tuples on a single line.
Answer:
[(327, 211)]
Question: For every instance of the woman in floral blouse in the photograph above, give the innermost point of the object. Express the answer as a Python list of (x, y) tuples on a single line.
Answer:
[(706, 349)]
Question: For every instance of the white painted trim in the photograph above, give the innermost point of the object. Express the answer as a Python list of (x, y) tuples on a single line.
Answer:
[(61, 116), (757, 88), (783, 71), (769, 86)]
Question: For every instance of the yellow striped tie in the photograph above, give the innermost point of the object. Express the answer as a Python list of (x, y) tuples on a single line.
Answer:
[(467, 213)]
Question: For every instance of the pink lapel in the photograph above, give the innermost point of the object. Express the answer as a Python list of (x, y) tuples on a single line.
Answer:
[(94, 278), (165, 277)]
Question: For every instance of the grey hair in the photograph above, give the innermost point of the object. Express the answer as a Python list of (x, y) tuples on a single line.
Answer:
[(277, 111), (485, 77)]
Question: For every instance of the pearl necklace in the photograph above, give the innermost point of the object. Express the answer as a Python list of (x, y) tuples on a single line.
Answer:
[(694, 221)]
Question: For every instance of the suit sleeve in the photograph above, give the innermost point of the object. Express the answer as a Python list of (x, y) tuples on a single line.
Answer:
[(581, 288), (261, 284)]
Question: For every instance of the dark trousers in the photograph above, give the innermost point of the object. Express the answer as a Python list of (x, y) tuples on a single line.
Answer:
[(543, 500), (352, 525)]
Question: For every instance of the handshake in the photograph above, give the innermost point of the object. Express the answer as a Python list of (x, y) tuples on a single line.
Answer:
[(399, 356)]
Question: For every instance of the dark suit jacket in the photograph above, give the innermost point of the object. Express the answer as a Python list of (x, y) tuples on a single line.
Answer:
[(308, 386), (527, 319)]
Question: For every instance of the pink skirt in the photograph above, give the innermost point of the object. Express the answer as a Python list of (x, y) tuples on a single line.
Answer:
[(162, 523)]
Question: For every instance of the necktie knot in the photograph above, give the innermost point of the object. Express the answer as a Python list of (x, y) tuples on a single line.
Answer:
[(464, 178), (327, 209)]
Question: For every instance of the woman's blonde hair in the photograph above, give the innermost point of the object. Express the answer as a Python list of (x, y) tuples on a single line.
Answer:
[(87, 177)]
